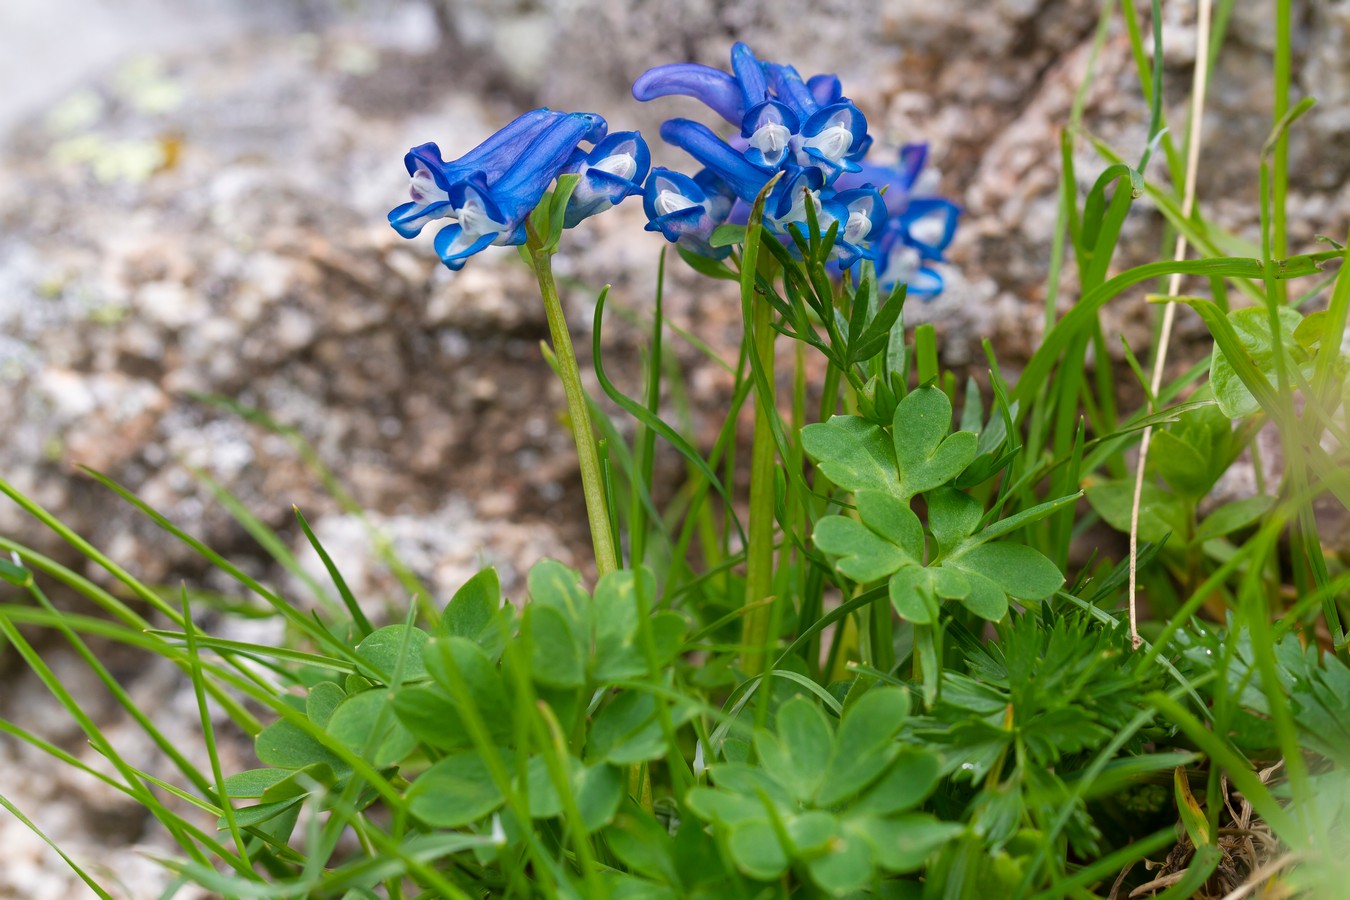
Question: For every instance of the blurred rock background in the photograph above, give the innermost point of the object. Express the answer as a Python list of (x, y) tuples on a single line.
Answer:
[(192, 200)]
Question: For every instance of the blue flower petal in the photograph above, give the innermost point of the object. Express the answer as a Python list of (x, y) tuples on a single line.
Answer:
[(825, 89), (718, 90), (912, 159), (930, 224), (790, 88), (612, 171), (768, 130), (410, 218), (743, 177), (866, 214), (678, 207), (749, 74), (454, 246), (433, 177), (831, 139), (510, 198)]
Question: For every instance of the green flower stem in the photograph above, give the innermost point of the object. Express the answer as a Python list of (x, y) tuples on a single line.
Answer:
[(759, 553), (588, 459)]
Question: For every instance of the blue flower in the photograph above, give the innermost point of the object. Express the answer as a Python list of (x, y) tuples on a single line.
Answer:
[(918, 227), (833, 135), (718, 90), (610, 172), (806, 132), (687, 210), (744, 177), (490, 191), (432, 176), (863, 219)]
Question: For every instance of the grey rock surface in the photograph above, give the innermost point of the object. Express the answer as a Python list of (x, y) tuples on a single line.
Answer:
[(208, 219)]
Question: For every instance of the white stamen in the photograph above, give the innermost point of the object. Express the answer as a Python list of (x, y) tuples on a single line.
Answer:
[(668, 202), (927, 184), (859, 223), (425, 189), (832, 142), (474, 222), (930, 229), (903, 263), (771, 140), (620, 164), (798, 213)]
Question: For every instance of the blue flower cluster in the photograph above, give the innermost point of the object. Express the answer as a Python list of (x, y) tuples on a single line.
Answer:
[(817, 138), (804, 129), (489, 192)]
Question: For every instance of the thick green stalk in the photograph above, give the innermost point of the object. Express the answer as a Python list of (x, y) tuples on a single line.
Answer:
[(759, 553), (588, 459)]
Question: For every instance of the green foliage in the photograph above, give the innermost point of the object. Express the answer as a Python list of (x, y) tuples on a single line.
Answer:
[(884, 471), (899, 668), (836, 803)]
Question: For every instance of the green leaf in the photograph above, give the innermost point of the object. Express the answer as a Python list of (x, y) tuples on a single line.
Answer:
[(985, 598), (848, 866), (719, 806), (300, 783), (726, 235), (251, 816), (668, 631), (1234, 516), (909, 781), (1024, 518), (383, 647), (366, 724), (872, 721), (543, 793), (553, 585), (853, 453), (627, 731), (455, 792), (1160, 513), (434, 719), (952, 516), (284, 745), (1252, 327), (926, 454), (642, 844), (851, 772), (798, 754), (15, 574), (864, 556), (1181, 465), (1192, 815), (707, 266), (756, 850), (322, 700), (252, 783), (598, 790), (557, 657), (811, 832), (483, 681), (617, 655), (1310, 331), (911, 593), (892, 519), (864, 744), (904, 844), (1022, 572), (473, 609)]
